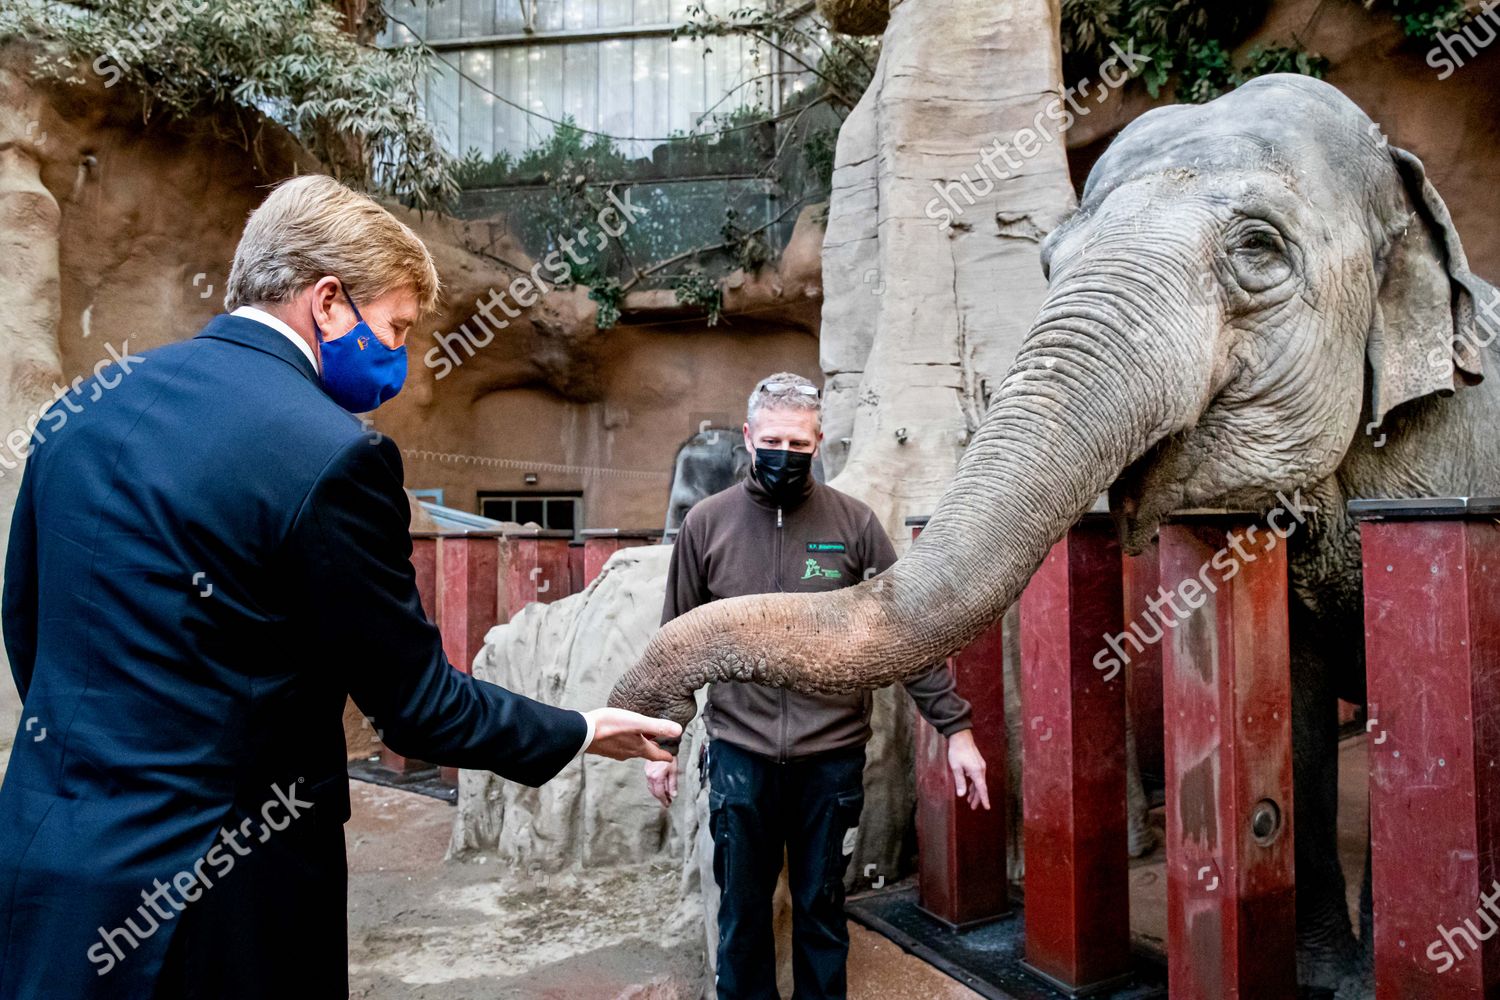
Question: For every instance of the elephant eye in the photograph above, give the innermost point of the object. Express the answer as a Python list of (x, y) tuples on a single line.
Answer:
[(1258, 257), (1259, 241)]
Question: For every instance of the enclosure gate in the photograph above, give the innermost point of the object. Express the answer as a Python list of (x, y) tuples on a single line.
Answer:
[(1432, 647), (1215, 611), (471, 581)]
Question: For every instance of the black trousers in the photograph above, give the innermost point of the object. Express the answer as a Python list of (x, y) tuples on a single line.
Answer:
[(810, 808)]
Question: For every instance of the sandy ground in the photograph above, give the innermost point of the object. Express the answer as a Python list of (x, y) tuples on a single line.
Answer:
[(424, 929)]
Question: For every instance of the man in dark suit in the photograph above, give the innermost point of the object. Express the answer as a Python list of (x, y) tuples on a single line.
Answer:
[(208, 554)]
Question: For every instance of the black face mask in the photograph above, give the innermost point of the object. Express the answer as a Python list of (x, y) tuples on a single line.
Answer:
[(782, 473)]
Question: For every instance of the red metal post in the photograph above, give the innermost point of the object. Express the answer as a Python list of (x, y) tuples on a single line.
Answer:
[(468, 568), (601, 543), (576, 578), (1142, 578), (468, 602), (536, 569), (1227, 699), (1073, 738), (424, 563), (1432, 660), (961, 852)]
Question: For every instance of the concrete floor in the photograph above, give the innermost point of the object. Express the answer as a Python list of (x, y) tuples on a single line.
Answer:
[(423, 929)]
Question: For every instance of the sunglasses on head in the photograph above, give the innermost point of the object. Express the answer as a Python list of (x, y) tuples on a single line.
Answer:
[(806, 390)]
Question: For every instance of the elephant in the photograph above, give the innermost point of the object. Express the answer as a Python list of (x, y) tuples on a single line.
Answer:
[(711, 460), (1258, 298)]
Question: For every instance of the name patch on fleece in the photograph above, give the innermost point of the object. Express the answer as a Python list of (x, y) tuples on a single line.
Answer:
[(825, 546)]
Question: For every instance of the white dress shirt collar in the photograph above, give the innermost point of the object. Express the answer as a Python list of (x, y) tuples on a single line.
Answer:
[(280, 326)]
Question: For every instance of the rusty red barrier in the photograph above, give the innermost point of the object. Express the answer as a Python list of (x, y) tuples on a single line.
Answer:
[(1227, 700), (601, 543), (482, 579), (961, 852), (424, 563), (468, 593), (1073, 737), (536, 568), (1143, 690), (576, 573), (1432, 661)]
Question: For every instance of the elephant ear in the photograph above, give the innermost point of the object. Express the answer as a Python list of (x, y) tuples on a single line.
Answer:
[(1426, 335)]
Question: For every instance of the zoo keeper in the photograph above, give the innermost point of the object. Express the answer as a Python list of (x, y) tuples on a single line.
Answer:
[(786, 769)]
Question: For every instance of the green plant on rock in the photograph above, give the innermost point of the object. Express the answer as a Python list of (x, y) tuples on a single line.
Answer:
[(749, 250), (1283, 59), (610, 296), (355, 107), (1424, 20), (694, 288), (1189, 41), (1208, 70)]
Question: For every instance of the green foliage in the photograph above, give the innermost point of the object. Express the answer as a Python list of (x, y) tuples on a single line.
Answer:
[(746, 246), (1186, 40), (1208, 71), (609, 294), (842, 66), (568, 153), (740, 142), (818, 154), (694, 288), (1424, 20), (1283, 59), (1163, 30), (353, 106)]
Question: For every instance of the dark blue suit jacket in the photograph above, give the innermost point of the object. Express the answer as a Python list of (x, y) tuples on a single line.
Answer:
[(207, 556)]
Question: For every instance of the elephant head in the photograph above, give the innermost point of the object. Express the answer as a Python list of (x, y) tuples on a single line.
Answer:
[(711, 460), (1240, 280)]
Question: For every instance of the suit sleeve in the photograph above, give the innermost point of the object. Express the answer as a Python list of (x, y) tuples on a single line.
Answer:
[(352, 547), (934, 692), (18, 606)]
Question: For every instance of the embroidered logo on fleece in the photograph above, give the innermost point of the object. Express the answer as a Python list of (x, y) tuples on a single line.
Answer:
[(814, 570), (825, 546)]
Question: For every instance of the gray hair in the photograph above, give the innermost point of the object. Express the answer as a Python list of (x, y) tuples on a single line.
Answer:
[(784, 391)]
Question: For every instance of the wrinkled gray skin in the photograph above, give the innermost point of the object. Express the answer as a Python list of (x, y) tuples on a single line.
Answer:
[(714, 459), (1246, 285)]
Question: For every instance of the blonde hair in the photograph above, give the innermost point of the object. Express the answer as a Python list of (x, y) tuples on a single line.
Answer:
[(313, 226)]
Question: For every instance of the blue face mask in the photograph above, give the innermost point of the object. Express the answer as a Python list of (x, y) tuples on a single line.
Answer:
[(359, 372)]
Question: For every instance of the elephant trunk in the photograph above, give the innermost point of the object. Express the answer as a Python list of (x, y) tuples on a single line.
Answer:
[(1071, 414)]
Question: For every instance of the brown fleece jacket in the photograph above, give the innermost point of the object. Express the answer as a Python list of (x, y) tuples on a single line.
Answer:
[(740, 542)]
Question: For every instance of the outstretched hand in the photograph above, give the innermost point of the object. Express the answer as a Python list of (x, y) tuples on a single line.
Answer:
[(967, 765), (621, 735)]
